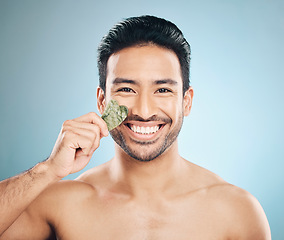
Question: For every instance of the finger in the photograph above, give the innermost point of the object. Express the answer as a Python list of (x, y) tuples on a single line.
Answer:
[(74, 141), (86, 139), (94, 119), (83, 128), (93, 136), (88, 151), (96, 144)]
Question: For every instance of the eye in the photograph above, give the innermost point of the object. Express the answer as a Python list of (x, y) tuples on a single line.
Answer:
[(125, 89), (163, 90)]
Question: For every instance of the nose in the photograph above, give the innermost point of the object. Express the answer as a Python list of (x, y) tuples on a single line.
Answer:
[(144, 106)]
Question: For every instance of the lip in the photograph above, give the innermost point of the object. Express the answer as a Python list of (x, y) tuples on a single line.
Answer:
[(140, 136)]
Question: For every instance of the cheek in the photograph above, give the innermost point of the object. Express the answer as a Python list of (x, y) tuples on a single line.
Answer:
[(171, 107), (129, 102)]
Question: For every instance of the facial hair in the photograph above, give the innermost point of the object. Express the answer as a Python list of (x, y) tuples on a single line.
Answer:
[(140, 152)]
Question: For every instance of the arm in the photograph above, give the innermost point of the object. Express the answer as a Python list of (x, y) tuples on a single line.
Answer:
[(18, 192), (76, 143)]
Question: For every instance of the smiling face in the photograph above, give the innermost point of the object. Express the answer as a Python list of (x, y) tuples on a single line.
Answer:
[(146, 79)]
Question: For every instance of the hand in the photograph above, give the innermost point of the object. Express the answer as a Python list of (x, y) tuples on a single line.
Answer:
[(76, 143)]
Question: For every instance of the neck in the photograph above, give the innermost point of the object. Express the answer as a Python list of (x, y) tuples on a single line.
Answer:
[(161, 175)]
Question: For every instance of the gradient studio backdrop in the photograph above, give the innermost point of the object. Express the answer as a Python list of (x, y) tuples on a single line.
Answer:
[(48, 74)]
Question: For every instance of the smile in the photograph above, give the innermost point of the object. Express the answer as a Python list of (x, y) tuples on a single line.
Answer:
[(144, 130)]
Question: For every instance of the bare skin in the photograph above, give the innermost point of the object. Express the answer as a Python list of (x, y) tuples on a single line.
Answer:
[(165, 198)]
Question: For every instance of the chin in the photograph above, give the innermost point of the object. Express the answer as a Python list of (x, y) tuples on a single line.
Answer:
[(142, 151)]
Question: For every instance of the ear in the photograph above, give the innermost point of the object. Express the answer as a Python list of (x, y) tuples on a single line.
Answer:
[(101, 100), (187, 101)]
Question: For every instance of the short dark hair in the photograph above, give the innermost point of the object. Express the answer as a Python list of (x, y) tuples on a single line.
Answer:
[(144, 30)]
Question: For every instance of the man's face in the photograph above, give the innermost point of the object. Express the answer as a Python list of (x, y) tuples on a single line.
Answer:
[(146, 79)]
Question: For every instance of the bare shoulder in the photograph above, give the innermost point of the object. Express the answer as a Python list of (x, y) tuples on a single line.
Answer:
[(70, 192), (55, 202), (68, 188), (202, 178), (59, 202), (248, 220), (82, 187), (95, 176), (234, 207), (243, 214)]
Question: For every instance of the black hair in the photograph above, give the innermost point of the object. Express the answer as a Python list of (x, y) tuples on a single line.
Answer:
[(144, 30)]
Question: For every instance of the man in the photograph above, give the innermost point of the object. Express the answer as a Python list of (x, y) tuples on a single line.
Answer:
[(147, 191)]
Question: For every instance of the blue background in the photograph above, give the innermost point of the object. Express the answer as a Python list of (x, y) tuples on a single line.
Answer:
[(48, 74)]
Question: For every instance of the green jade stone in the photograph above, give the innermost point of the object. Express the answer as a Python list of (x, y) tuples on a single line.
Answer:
[(114, 114)]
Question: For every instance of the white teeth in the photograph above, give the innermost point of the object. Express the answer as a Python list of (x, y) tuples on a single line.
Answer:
[(144, 130)]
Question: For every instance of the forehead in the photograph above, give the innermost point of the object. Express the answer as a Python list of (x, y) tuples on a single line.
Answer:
[(144, 63)]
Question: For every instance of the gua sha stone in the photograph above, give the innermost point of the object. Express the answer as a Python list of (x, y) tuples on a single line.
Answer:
[(114, 114)]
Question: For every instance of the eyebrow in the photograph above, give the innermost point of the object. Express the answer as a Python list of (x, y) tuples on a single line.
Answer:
[(124, 80), (156, 82), (166, 81)]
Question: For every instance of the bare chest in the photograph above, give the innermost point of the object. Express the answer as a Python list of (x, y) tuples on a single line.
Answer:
[(148, 221)]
